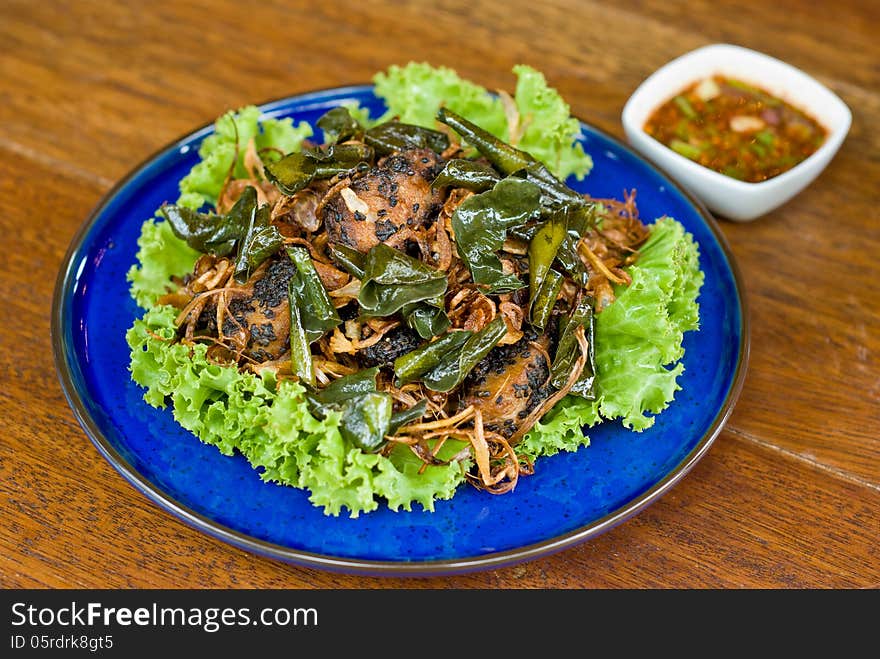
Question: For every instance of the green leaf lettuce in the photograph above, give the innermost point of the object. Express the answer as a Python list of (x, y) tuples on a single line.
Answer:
[(414, 93), (638, 344)]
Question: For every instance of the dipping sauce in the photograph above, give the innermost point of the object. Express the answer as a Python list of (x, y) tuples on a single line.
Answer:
[(736, 129)]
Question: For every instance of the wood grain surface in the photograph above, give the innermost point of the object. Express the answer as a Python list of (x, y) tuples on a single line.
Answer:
[(787, 497)]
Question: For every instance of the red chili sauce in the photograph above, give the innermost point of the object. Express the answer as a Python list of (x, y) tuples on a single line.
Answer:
[(736, 129)]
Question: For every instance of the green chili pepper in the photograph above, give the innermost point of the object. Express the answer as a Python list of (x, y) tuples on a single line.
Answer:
[(734, 172), (765, 137), (340, 158), (509, 160), (685, 106), (308, 293), (545, 299), (758, 149), (543, 249), (468, 174), (744, 86), (455, 365), (260, 242), (506, 158), (579, 221), (414, 364), (394, 136), (686, 149)]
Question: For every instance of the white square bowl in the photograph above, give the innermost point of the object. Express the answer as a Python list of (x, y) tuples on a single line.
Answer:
[(723, 195)]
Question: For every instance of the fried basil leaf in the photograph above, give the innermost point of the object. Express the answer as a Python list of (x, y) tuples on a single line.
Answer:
[(349, 386), (543, 248), (296, 170), (260, 242), (393, 279), (338, 125), (394, 136), (365, 413), (456, 364), (480, 225), (568, 351), (308, 293), (366, 419), (468, 174), (300, 351), (426, 319), (351, 260), (209, 233)]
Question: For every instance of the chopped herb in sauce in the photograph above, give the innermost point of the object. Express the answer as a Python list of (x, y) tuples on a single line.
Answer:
[(736, 129)]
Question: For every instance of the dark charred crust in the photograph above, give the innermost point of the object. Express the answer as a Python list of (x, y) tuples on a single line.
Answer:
[(236, 313), (397, 163), (208, 318), (395, 343), (433, 170), (383, 181), (506, 427), (385, 229), (271, 289), (255, 316), (522, 390), (263, 335), (412, 248), (261, 355)]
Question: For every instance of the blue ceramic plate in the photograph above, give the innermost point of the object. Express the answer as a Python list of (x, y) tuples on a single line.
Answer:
[(571, 497)]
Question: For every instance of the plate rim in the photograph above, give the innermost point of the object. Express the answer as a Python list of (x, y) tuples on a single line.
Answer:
[(66, 278)]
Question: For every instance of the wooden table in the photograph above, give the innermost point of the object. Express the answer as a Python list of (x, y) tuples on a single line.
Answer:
[(787, 497)]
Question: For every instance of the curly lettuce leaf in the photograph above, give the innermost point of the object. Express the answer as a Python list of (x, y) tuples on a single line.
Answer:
[(203, 183), (415, 92), (271, 426), (638, 344), (551, 132), (161, 255)]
